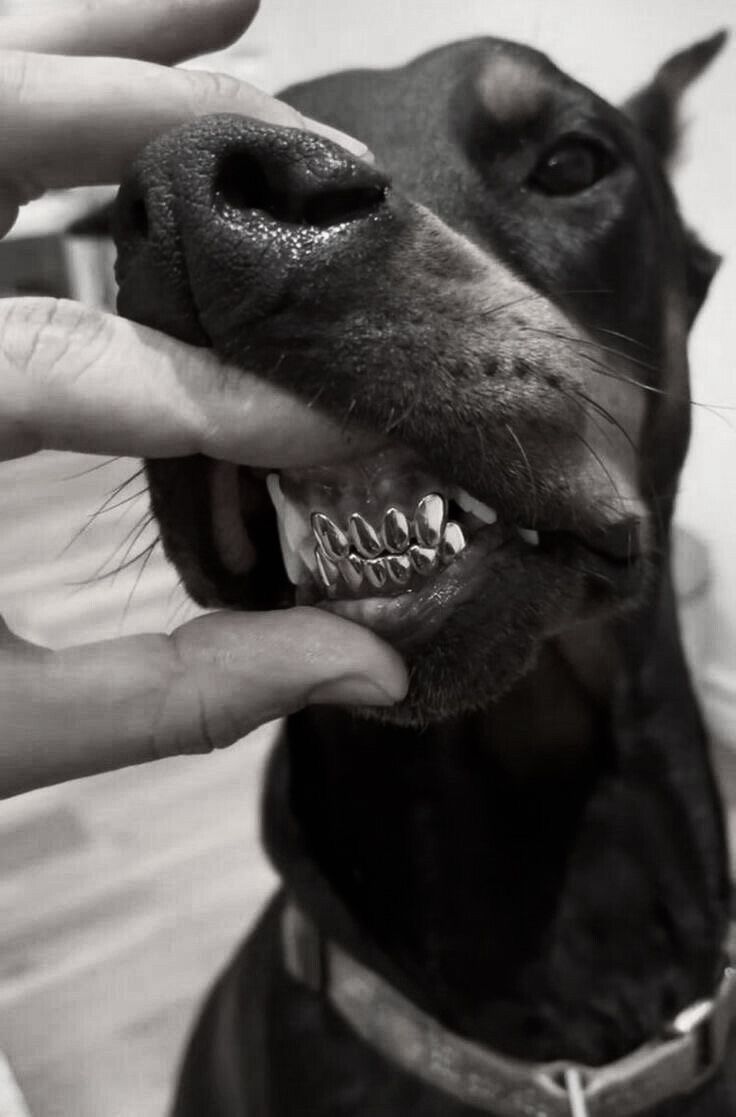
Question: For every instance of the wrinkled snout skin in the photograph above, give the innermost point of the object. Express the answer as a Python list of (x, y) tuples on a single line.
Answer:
[(530, 348)]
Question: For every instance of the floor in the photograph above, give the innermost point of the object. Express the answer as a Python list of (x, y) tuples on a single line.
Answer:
[(120, 898)]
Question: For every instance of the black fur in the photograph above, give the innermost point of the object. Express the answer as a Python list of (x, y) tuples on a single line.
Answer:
[(532, 846)]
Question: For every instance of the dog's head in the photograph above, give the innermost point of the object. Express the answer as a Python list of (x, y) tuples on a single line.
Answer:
[(503, 300)]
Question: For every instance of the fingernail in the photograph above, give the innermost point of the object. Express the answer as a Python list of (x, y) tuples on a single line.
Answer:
[(355, 147), (355, 690)]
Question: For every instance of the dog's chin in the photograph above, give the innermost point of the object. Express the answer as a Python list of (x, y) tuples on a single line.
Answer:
[(459, 673)]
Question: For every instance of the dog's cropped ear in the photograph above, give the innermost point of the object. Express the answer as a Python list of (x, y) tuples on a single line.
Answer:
[(655, 107), (701, 264)]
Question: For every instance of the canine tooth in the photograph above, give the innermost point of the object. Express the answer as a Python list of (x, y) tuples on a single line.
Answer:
[(528, 535), (326, 568), (363, 537), (423, 559), (399, 569), (376, 572), (351, 570), (333, 541), (429, 520), (453, 542), (468, 503), (291, 529), (396, 530)]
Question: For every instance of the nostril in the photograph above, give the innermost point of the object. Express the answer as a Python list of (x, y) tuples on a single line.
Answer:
[(243, 183), (333, 206)]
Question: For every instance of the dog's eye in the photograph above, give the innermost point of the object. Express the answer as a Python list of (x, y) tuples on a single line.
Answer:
[(572, 165)]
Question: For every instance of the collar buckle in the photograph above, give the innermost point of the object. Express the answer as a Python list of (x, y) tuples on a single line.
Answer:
[(700, 1023), (575, 1086)]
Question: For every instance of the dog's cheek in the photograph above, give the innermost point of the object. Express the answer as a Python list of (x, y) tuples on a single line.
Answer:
[(180, 501)]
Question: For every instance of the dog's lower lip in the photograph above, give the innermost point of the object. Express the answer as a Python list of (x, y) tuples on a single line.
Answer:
[(415, 616)]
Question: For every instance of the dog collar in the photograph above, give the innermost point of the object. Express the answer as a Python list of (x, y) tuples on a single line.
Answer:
[(688, 1052)]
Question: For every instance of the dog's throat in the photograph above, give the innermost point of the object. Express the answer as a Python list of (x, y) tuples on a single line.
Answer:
[(514, 902)]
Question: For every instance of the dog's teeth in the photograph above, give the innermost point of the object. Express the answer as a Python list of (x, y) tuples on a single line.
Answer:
[(332, 540), (528, 535), (363, 537), (396, 531), (453, 542), (423, 559), (351, 570), (326, 569), (468, 503), (429, 520), (293, 532), (399, 569), (376, 572)]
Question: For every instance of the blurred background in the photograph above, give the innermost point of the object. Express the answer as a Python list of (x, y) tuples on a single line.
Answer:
[(120, 897)]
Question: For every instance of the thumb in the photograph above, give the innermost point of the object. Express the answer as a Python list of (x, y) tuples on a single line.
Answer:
[(103, 706), (238, 671)]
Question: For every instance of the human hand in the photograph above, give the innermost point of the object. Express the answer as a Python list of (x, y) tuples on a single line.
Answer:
[(73, 378)]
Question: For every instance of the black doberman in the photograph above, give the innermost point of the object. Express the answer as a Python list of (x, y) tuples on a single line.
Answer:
[(521, 871)]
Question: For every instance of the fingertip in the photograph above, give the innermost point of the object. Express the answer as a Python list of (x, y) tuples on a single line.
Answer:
[(348, 650), (353, 690), (355, 147)]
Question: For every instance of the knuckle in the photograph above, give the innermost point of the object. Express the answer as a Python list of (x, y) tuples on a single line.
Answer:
[(40, 333)]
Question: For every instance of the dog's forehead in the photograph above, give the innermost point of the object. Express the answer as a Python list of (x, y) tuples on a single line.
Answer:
[(512, 88), (511, 82), (415, 116)]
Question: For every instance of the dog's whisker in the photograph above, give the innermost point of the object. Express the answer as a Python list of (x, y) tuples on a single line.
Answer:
[(100, 577), (530, 471), (120, 503), (654, 389), (609, 349), (128, 542), (620, 335), (395, 421), (594, 454), (104, 508), (136, 583), (605, 414), (348, 416), (91, 469), (678, 397)]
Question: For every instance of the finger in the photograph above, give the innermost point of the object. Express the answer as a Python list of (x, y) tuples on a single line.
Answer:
[(74, 378), (164, 31), (105, 706), (76, 122)]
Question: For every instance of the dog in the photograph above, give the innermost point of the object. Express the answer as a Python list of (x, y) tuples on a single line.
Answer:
[(509, 893)]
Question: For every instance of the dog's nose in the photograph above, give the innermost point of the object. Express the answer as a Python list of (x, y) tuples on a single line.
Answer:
[(294, 191), (229, 196)]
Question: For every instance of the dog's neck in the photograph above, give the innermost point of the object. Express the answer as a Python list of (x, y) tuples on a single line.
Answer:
[(548, 876)]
